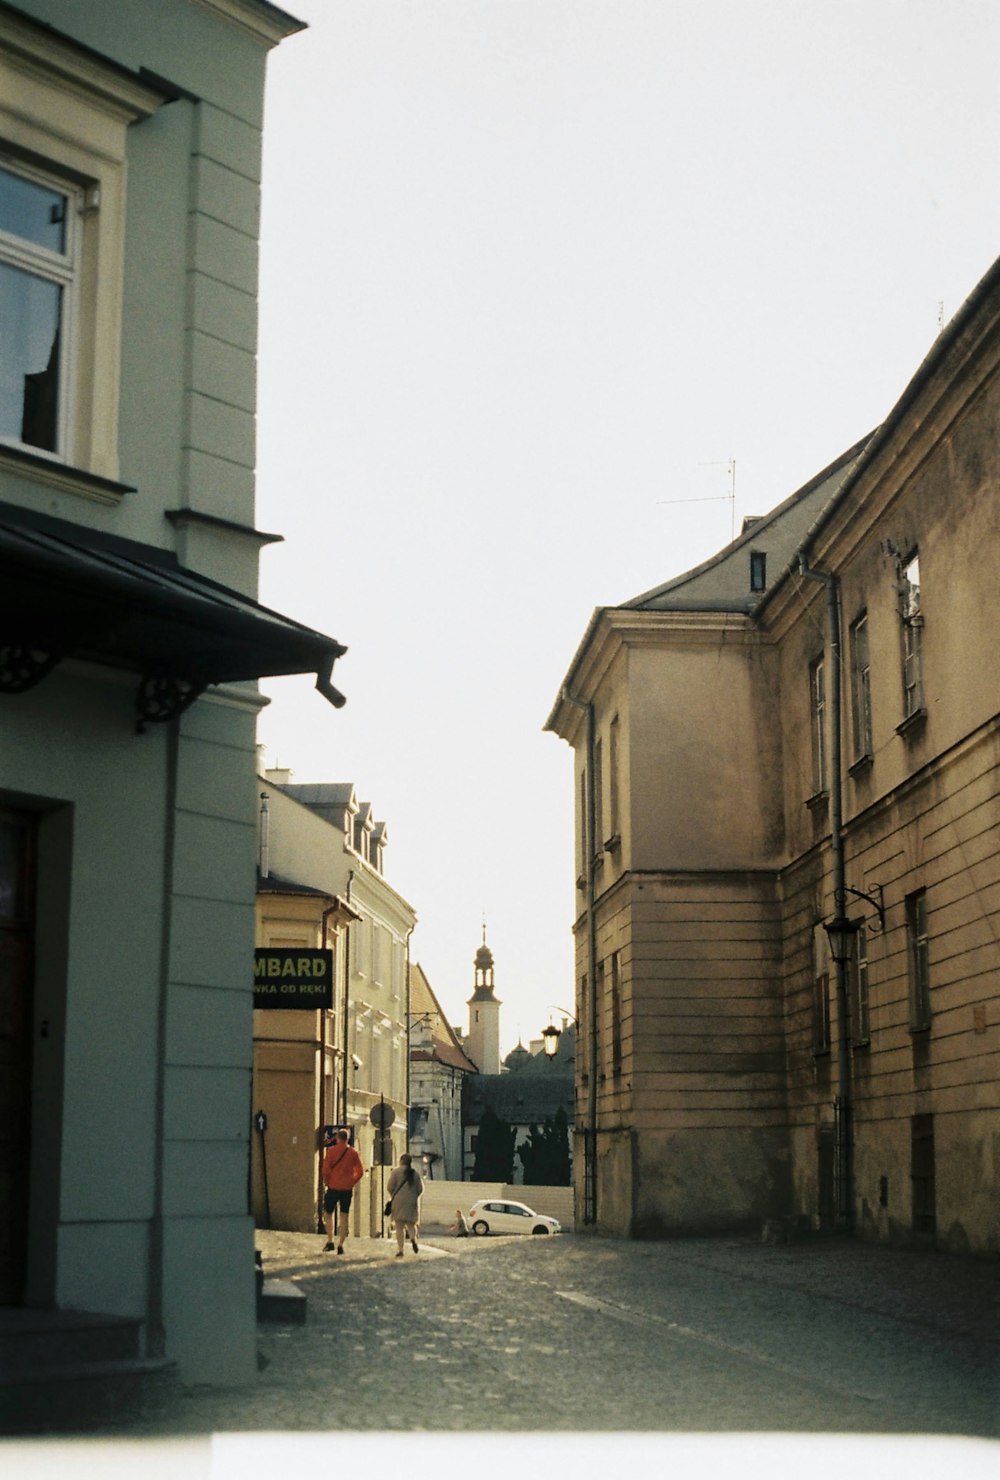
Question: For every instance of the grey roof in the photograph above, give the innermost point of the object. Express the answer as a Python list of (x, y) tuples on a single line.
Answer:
[(723, 582), (322, 793), (519, 1099)]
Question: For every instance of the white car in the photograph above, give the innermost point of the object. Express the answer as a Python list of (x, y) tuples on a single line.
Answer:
[(502, 1216)]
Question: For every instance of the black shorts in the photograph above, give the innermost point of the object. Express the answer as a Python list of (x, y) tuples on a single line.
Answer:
[(335, 1197)]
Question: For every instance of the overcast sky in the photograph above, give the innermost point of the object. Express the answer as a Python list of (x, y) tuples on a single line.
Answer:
[(531, 272)]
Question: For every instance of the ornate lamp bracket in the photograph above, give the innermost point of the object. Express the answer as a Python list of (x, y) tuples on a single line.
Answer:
[(875, 900)]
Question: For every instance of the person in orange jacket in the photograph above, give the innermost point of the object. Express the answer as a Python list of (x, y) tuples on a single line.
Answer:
[(342, 1171)]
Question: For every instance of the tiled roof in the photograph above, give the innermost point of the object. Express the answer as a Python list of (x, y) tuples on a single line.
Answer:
[(446, 1048)]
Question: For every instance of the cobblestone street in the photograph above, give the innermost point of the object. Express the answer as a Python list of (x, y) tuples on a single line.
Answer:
[(580, 1336), (578, 1333)]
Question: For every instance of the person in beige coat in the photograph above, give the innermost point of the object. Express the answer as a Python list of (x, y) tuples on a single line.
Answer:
[(405, 1187)]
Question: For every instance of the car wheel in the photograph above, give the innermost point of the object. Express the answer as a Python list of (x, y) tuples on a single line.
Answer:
[(480, 1227), (540, 1229)]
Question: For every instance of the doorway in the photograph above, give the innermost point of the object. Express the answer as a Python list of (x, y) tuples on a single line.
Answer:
[(18, 854)]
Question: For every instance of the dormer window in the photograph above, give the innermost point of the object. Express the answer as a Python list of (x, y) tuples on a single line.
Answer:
[(758, 570)]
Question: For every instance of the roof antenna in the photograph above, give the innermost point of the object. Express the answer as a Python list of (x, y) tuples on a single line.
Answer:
[(715, 498)]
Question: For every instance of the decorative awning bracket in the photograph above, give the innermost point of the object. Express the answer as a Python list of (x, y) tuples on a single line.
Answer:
[(23, 666), (163, 696)]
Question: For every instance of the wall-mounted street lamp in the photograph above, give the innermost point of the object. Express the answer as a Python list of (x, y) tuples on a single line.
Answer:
[(841, 932), (551, 1035), (550, 1040)]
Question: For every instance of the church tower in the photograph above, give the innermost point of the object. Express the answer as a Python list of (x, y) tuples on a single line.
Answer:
[(483, 1042)]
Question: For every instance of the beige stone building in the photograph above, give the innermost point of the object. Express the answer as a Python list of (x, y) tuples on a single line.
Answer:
[(321, 886), (804, 732), (439, 1066)]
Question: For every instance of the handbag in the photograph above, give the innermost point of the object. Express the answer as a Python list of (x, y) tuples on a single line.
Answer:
[(387, 1210)]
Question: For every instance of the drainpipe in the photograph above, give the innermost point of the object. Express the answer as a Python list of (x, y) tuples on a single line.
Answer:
[(590, 1129), (324, 1103), (264, 852), (156, 1337), (844, 1107), (347, 1007), (407, 1137)]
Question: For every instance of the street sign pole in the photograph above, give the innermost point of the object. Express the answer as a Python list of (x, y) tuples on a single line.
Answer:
[(260, 1121)]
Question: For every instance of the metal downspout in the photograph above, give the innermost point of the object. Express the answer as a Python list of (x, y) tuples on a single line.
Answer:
[(324, 1103), (845, 1139), (347, 1008), (407, 1095), (156, 1339), (590, 1129)]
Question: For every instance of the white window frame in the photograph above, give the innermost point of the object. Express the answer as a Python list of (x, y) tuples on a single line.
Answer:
[(64, 117), (60, 268)]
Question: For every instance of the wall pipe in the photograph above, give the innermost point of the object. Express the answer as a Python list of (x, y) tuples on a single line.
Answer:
[(845, 1127), (590, 1129)]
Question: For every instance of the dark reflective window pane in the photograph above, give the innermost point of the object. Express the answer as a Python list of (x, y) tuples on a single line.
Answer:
[(33, 212), (30, 318)]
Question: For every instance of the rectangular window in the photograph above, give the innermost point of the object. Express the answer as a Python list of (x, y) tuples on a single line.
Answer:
[(861, 694), (614, 820), (582, 830), (583, 1032), (616, 1014), (758, 570), (820, 992), (860, 1016), (913, 623), (817, 695), (601, 1006), (918, 960), (922, 1174), (598, 797), (38, 274)]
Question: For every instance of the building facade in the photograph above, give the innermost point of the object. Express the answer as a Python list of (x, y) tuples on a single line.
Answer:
[(803, 733), (347, 1065), (438, 1068), (130, 643)]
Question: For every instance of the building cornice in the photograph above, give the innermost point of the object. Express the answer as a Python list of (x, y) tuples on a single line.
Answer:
[(33, 47), (614, 629), (262, 22)]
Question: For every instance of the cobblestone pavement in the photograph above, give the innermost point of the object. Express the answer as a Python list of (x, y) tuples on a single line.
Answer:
[(579, 1333)]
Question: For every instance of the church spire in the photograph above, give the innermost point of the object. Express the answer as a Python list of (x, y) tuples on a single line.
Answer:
[(484, 1014)]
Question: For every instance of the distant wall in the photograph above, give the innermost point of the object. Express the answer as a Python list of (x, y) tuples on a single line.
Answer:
[(442, 1198)]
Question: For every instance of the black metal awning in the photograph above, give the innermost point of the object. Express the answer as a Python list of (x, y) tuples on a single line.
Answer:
[(69, 592)]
